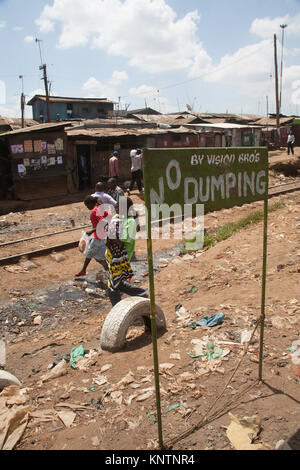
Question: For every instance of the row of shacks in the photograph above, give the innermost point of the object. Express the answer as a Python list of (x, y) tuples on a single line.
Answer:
[(56, 159)]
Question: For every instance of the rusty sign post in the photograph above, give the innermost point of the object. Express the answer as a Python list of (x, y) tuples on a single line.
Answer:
[(217, 178)]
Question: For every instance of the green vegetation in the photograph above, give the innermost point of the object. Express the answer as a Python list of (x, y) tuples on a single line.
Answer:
[(227, 230)]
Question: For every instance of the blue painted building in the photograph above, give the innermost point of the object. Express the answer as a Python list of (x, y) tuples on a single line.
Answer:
[(66, 109)]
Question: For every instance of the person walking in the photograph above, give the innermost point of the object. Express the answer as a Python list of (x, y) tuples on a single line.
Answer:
[(97, 248), (114, 191), (114, 166), (119, 268), (136, 170), (102, 193), (290, 143)]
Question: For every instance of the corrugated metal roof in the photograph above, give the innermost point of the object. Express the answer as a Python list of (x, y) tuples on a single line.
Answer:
[(65, 99), (117, 132), (40, 127), (16, 123), (223, 125)]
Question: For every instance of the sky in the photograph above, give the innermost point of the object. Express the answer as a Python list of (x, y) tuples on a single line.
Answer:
[(214, 56)]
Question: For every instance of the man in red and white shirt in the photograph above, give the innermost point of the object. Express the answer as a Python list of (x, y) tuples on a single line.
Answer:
[(97, 248)]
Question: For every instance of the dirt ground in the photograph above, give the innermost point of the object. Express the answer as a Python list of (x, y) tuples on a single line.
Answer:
[(44, 314)]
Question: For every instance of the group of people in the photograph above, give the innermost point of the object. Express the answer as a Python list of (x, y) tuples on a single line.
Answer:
[(112, 240), (136, 168)]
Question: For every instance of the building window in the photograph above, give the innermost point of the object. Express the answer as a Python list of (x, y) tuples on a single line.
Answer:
[(85, 110)]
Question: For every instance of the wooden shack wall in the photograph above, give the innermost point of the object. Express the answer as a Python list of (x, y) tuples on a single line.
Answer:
[(39, 161)]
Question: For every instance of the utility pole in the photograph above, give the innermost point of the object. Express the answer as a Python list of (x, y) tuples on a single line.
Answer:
[(276, 92), (282, 26), (22, 101), (44, 68)]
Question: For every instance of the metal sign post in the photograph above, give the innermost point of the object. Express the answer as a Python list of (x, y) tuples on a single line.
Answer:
[(217, 178)]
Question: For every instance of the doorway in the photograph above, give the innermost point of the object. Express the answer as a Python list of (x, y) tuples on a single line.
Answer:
[(84, 166)]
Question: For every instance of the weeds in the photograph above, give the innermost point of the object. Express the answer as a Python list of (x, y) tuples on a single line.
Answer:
[(227, 230)]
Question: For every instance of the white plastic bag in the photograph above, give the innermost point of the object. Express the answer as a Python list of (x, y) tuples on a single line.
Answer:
[(84, 243)]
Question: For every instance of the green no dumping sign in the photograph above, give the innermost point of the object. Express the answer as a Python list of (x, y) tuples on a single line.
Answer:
[(217, 178)]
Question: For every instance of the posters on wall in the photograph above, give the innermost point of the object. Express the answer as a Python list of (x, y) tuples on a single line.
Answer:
[(51, 149), (17, 149), (60, 160), (21, 169), (59, 144), (28, 147), (37, 145), (44, 159)]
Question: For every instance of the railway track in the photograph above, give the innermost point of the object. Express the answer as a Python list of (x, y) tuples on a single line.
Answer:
[(15, 258)]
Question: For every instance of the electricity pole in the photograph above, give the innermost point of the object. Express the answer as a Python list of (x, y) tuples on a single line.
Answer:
[(22, 101), (276, 92), (282, 26), (44, 68)]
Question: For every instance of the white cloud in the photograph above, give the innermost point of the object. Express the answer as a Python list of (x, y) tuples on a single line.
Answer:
[(267, 27), (145, 32), (29, 39), (118, 77), (2, 24), (97, 89), (18, 28), (144, 91), (12, 107)]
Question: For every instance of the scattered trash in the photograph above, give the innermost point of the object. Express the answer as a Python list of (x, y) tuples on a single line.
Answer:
[(145, 396), (295, 350), (67, 417), (58, 257), (14, 419), (7, 379), (95, 441), (29, 265), (208, 321), (100, 380), (57, 371), (173, 407), (84, 363), (75, 354), (38, 320), (106, 368), (117, 397), (153, 421), (193, 290), (243, 432), (211, 352), (175, 357)]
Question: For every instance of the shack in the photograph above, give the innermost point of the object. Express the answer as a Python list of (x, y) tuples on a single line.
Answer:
[(38, 159)]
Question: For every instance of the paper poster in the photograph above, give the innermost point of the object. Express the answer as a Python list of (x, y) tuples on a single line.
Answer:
[(44, 160), (37, 144), (59, 160), (59, 144), (51, 161), (28, 146), (35, 163), (51, 149), (21, 169), (16, 149), (26, 162), (44, 146)]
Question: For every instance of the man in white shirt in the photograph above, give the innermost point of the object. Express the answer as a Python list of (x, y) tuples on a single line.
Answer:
[(136, 169), (101, 194), (290, 143)]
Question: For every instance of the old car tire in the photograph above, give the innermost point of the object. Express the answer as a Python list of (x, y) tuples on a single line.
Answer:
[(122, 316), (7, 379)]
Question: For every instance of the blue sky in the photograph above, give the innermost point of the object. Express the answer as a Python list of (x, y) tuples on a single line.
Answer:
[(216, 56)]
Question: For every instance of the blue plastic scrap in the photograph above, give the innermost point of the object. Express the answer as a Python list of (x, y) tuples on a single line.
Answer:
[(208, 321)]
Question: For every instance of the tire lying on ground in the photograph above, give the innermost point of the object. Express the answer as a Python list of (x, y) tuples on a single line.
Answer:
[(122, 316), (7, 379)]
